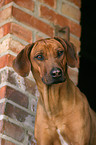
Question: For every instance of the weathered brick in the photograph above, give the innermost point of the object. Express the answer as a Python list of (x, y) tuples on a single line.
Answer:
[(26, 4), (2, 91), (6, 60), (15, 46), (22, 3), (5, 29), (10, 44), (12, 130), (24, 83), (5, 2), (39, 37), (76, 2), (5, 142), (3, 77), (18, 114), (32, 21), (57, 19), (15, 96), (17, 30), (1, 125), (5, 14), (1, 32), (16, 80), (71, 11), (51, 3), (21, 32), (31, 140), (20, 82), (2, 108)]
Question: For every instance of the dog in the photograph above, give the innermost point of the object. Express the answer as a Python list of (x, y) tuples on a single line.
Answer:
[(63, 116)]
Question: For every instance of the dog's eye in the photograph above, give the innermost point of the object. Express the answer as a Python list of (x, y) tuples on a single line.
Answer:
[(59, 53), (39, 57)]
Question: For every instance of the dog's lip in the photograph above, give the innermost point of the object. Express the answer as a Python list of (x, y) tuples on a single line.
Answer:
[(54, 81)]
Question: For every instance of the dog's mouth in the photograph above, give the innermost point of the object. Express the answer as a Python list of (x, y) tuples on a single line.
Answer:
[(53, 81), (56, 76)]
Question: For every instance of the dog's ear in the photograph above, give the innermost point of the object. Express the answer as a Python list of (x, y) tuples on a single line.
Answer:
[(71, 54), (21, 63)]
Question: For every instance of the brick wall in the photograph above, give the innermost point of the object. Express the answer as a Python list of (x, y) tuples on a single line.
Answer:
[(23, 22)]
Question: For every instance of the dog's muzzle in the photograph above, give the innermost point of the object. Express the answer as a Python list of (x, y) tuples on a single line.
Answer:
[(56, 76)]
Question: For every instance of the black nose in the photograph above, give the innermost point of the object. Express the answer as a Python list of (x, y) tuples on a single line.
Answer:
[(56, 72)]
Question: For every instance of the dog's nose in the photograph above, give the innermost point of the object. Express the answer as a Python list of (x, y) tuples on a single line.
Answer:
[(56, 72)]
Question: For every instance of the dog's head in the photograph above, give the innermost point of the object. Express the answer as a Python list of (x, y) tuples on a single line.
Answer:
[(48, 60)]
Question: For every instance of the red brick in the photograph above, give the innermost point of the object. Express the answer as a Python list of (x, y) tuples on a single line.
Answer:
[(17, 30), (15, 96), (26, 4), (15, 46), (76, 2), (29, 85), (6, 60), (71, 11), (51, 3), (5, 142), (39, 37), (12, 131), (32, 21), (1, 125), (5, 29), (5, 14), (60, 20), (13, 78), (2, 108), (5, 2), (2, 92), (1, 32), (11, 44), (16, 113), (21, 32), (23, 3)]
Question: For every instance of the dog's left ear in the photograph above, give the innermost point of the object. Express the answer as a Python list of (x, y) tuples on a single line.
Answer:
[(70, 52), (22, 64)]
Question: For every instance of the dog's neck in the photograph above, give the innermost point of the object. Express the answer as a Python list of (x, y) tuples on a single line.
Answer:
[(51, 97)]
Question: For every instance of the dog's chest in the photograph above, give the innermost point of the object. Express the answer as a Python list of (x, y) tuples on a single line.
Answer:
[(59, 128), (63, 142)]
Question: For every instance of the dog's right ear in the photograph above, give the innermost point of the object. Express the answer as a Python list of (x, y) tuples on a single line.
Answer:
[(22, 64), (71, 54)]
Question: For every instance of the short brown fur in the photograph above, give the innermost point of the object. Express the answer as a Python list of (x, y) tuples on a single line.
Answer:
[(61, 105)]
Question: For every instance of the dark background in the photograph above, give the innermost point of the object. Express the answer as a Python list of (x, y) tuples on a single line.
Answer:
[(87, 71)]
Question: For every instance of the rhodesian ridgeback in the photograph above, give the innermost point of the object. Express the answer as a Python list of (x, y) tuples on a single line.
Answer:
[(63, 116)]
